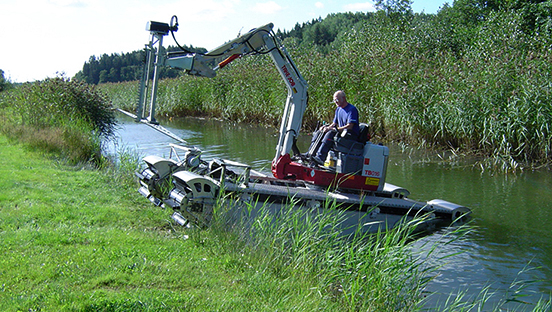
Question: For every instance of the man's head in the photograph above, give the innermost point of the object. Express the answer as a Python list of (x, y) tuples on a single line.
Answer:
[(340, 99)]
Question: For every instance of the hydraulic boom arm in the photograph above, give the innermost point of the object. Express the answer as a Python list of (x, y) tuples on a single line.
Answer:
[(260, 40)]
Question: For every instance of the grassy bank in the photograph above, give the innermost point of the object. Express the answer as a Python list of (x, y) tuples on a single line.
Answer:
[(70, 243)]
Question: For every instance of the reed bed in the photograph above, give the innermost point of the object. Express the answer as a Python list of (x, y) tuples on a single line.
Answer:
[(60, 116), (491, 98)]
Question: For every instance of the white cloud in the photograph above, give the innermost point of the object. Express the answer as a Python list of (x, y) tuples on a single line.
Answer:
[(211, 10), (68, 3), (68, 32), (355, 7), (269, 7)]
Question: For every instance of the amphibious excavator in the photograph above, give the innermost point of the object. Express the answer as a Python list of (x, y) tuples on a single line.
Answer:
[(353, 176)]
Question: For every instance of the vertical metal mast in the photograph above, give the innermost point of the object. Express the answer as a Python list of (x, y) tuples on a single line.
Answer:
[(144, 81), (158, 61), (158, 31)]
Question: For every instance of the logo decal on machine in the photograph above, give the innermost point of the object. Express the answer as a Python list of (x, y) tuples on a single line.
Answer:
[(288, 75), (372, 181), (366, 161), (371, 173)]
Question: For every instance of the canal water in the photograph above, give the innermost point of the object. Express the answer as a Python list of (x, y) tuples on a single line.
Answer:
[(507, 251)]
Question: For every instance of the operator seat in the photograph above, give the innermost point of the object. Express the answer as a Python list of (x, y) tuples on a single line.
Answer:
[(364, 133), (349, 150), (344, 144), (351, 145)]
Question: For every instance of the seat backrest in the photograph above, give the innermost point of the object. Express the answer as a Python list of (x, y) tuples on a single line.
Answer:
[(364, 133)]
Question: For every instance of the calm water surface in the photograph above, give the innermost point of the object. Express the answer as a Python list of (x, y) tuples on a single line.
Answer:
[(512, 213)]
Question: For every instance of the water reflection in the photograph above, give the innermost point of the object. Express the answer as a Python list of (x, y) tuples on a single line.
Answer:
[(511, 240), (512, 213)]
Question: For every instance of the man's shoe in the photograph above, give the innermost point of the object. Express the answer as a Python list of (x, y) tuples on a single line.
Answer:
[(317, 160)]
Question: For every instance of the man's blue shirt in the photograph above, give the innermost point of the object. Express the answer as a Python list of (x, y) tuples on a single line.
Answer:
[(346, 115)]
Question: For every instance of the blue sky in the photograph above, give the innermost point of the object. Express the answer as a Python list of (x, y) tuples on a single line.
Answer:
[(43, 37)]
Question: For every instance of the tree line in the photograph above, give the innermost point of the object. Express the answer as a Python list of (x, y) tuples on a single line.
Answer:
[(456, 24), (119, 67), (4, 83)]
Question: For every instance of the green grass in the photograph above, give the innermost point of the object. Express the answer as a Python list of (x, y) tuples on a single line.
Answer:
[(75, 239), (70, 242)]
